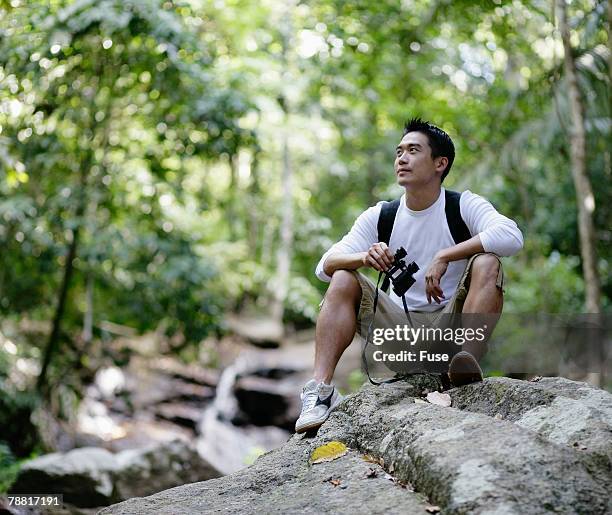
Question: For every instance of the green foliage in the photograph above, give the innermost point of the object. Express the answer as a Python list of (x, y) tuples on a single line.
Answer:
[(153, 131), (550, 285), (303, 300), (8, 468), (116, 106), (355, 380)]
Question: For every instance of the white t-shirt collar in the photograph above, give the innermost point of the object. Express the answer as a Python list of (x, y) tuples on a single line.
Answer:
[(423, 212)]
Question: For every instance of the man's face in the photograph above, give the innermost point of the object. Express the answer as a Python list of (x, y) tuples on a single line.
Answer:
[(414, 165)]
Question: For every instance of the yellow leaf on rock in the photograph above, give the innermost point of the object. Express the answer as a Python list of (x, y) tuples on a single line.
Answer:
[(328, 452)]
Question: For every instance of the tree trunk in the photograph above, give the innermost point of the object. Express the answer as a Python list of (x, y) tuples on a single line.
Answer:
[(283, 256), (610, 40), (87, 333), (372, 179), (54, 338), (254, 218), (231, 210), (88, 316), (582, 183), (283, 273)]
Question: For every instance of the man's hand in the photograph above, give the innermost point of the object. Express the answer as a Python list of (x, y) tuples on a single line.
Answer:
[(379, 257), (434, 273)]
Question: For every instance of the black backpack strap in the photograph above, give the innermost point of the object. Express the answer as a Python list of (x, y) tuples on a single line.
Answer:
[(386, 219), (458, 229), (385, 226)]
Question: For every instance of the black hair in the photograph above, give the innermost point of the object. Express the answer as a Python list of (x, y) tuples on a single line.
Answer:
[(441, 144)]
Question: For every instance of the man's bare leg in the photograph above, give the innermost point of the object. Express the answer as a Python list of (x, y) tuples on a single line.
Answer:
[(336, 324), (483, 297)]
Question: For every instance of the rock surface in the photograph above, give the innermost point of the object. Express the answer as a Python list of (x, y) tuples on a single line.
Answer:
[(91, 476), (563, 411), (504, 446)]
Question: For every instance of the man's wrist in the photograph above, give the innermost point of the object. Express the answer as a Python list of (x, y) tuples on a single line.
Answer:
[(362, 257), (344, 261), (443, 256)]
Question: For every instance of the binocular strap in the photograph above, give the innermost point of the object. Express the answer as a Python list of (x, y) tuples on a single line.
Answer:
[(369, 335)]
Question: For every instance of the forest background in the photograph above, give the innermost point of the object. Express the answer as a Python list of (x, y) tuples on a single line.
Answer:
[(163, 164)]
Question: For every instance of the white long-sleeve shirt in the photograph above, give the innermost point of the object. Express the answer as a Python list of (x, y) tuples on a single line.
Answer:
[(423, 234)]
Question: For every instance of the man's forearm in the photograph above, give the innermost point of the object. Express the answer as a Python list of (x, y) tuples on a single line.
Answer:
[(463, 250), (354, 261), (343, 262)]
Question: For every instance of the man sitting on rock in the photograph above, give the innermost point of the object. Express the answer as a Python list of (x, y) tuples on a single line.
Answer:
[(455, 239)]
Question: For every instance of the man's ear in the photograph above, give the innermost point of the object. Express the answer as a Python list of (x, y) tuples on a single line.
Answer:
[(441, 163)]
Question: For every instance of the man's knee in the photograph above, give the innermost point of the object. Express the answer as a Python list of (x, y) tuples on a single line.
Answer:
[(344, 284), (485, 269)]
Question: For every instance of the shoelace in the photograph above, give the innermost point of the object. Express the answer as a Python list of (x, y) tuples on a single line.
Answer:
[(309, 399)]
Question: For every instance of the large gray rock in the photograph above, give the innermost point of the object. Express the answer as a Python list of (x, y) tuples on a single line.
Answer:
[(565, 412), (141, 472), (282, 482), (84, 476), (482, 455), (90, 476)]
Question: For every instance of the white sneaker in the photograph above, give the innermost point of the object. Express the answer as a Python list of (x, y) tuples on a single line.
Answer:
[(318, 401)]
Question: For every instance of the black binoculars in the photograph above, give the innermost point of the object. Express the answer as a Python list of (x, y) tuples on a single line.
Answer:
[(400, 274)]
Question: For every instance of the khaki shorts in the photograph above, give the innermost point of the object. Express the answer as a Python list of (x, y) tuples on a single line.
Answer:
[(388, 312)]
